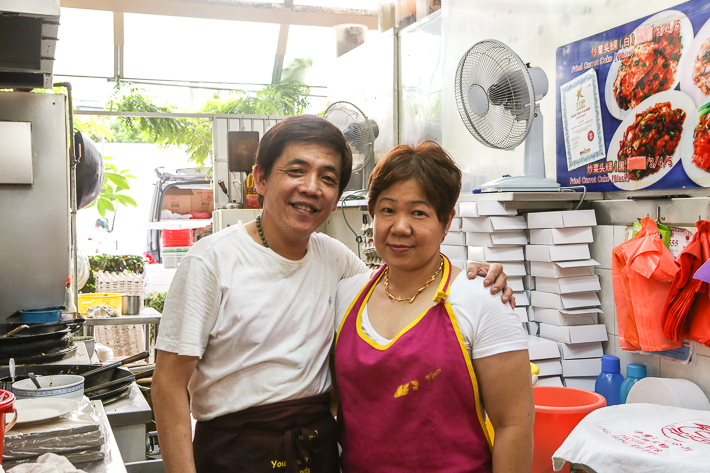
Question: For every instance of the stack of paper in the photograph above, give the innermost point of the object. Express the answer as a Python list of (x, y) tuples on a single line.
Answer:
[(565, 302)]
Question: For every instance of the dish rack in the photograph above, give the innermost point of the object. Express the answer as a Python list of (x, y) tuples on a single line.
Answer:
[(122, 283)]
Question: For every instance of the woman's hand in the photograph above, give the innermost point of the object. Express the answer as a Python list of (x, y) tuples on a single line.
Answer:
[(494, 275)]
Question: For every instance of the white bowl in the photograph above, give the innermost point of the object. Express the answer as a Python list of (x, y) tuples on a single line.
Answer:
[(68, 386)]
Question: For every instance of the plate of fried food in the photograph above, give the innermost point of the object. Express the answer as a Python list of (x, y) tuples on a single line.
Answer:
[(696, 153), (651, 65), (695, 72), (649, 142)]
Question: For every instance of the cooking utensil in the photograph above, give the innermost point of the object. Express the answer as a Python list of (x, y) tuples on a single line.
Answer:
[(54, 354), (12, 369), (15, 330), (115, 364), (89, 170), (34, 380), (115, 382), (131, 304)]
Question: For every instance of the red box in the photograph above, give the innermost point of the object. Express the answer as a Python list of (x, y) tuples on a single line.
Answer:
[(172, 238)]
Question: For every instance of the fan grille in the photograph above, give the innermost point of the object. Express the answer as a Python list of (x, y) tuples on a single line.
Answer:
[(497, 70), (356, 129)]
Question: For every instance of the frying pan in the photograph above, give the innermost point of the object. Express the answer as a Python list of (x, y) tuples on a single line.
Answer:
[(89, 170), (54, 354), (73, 325)]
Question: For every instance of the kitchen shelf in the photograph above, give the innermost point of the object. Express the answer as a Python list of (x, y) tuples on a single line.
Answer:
[(179, 224)]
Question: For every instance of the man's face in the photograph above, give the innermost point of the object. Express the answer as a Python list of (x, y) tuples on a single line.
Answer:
[(302, 189)]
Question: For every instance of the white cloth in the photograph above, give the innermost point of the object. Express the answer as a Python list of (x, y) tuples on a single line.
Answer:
[(261, 324), (639, 437), (487, 325), (47, 463)]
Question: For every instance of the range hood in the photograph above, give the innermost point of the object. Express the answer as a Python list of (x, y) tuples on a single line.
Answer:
[(28, 39)]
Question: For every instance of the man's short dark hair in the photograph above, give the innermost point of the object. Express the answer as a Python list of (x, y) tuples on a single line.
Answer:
[(429, 165), (304, 129)]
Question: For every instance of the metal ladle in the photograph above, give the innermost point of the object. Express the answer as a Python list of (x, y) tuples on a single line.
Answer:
[(12, 370), (34, 380)]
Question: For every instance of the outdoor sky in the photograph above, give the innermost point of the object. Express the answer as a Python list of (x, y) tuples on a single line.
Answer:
[(163, 48)]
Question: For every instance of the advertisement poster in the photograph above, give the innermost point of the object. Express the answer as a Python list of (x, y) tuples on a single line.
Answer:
[(633, 103)]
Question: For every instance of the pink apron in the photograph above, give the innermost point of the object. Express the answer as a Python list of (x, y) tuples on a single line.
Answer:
[(412, 405)]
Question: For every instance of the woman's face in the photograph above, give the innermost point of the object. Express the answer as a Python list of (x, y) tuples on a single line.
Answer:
[(406, 229)]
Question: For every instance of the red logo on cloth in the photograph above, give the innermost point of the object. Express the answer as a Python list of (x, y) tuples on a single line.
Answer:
[(689, 430)]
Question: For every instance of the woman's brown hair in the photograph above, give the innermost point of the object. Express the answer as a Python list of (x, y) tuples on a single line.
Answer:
[(429, 165)]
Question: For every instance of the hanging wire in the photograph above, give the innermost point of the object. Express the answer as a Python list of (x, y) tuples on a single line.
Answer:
[(358, 238)]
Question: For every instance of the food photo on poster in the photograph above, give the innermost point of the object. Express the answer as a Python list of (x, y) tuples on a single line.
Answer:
[(633, 104)]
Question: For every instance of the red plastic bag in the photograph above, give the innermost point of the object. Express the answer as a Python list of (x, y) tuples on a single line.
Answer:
[(687, 309), (642, 272)]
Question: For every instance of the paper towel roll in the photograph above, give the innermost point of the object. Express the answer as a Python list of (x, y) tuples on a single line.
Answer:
[(669, 392)]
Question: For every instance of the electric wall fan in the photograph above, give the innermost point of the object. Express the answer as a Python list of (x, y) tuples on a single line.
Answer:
[(360, 133), (497, 96)]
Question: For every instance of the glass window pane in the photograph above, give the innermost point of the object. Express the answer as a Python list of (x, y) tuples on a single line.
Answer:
[(85, 45), (192, 49)]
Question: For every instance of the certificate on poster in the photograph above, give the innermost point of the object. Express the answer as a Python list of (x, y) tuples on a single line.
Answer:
[(582, 120)]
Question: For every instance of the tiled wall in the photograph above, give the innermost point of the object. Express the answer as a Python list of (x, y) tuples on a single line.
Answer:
[(605, 238)]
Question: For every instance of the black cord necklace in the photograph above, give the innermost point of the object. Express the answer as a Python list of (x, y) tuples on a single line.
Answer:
[(261, 232)]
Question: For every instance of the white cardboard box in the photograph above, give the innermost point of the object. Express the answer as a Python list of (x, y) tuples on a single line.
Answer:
[(513, 237), (553, 253), (454, 252), (482, 209), (575, 300), (454, 239), (522, 313), (542, 349), (562, 219), (549, 367), (514, 268), (496, 254), (516, 283), (568, 285), (563, 269), (567, 317), (533, 328), (561, 236), (585, 382), (521, 299), (555, 381), (575, 351), (455, 224), (458, 263), (583, 367), (492, 224), (574, 333)]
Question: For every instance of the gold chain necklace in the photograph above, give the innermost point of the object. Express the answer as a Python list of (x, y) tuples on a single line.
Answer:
[(410, 299)]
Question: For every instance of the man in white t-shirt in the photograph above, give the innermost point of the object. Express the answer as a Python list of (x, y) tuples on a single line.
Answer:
[(248, 322)]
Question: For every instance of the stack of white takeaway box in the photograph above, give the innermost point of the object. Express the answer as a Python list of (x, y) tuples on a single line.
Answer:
[(564, 304), (489, 232)]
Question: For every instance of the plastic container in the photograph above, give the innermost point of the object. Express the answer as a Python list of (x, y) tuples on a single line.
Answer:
[(385, 14), (609, 380), (41, 316), (172, 238), (172, 257), (634, 373), (405, 12), (557, 412), (7, 406), (113, 300)]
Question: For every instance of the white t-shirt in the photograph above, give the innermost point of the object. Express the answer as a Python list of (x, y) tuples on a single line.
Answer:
[(261, 324), (487, 325)]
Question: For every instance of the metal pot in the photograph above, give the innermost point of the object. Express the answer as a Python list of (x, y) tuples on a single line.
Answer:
[(131, 304)]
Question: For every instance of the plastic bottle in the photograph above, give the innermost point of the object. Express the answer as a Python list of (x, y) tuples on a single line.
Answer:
[(634, 373), (609, 381), (70, 312)]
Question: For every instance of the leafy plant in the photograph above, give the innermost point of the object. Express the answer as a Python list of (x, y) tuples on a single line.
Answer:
[(112, 264), (115, 182), (156, 300)]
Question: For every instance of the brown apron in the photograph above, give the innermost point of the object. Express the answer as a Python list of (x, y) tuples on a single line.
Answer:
[(297, 436)]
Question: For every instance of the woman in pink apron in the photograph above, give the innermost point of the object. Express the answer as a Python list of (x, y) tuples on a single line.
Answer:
[(423, 354)]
